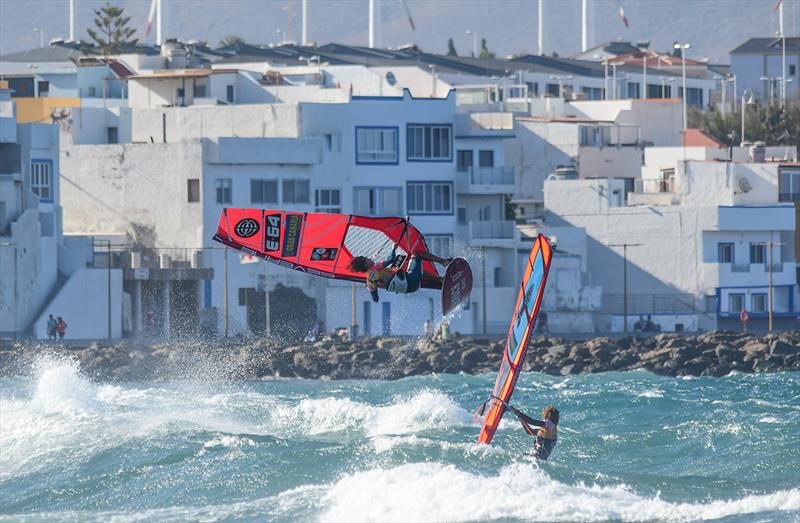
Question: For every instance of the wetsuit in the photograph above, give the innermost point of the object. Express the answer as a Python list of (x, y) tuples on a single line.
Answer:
[(545, 437), (401, 282)]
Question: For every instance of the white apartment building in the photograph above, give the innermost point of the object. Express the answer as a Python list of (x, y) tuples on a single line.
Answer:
[(694, 247), (587, 139), (370, 155), (758, 66), (44, 272)]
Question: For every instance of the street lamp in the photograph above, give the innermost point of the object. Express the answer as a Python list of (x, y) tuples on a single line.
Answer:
[(474, 42), (723, 83), (746, 100), (683, 48), (780, 34)]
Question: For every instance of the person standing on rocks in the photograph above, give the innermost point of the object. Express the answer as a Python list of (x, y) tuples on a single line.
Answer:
[(61, 328), (51, 328), (546, 435)]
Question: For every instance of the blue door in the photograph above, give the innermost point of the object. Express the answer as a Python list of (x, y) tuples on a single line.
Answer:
[(367, 318)]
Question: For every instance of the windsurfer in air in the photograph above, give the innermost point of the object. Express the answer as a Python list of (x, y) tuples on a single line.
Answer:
[(380, 275), (546, 435)]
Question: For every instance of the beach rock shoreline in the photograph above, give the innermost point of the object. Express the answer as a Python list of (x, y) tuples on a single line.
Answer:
[(710, 354)]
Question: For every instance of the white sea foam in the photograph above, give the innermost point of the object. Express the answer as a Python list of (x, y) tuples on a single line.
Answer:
[(424, 410), (439, 492)]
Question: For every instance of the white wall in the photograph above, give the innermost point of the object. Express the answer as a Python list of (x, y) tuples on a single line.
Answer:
[(83, 303)]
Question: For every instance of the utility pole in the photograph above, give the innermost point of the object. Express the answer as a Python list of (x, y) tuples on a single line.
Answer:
[(483, 286), (782, 35), (371, 24), (353, 317), (769, 245), (625, 280), (225, 290), (683, 48), (644, 78)]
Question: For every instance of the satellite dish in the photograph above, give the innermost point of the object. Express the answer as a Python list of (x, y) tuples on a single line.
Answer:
[(390, 78), (744, 185)]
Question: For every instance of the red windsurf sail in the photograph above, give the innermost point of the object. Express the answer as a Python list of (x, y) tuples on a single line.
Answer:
[(322, 244), (529, 300)]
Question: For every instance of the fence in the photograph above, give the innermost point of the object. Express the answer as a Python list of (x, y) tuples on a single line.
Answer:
[(648, 304)]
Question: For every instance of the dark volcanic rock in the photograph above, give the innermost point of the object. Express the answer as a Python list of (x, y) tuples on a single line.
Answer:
[(709, 354)]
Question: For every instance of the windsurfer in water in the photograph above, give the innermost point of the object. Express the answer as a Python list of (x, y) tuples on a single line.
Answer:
[(546, 435), (381, 275)]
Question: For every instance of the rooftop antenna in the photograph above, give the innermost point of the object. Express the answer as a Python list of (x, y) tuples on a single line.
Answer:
[(304, 39), (584, 25), (71, 20), (373, 14), (541, 27)]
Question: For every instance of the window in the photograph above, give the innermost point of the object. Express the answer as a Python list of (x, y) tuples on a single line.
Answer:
[(42, 179), (296, 191), (430, 198), (694, 96), (659, 90), (199, 91), (591, 136), (429, 143), (789, 184), (735, 302), (758, 302), (112, 134), (464, 158), (193, 190), (725, 253), (553, 90), (440, 244), (327, 200), (263, 191), (633, 89), (376, 145), (486, 158), (593, 93), (461, 215), (333, 142), (229, 94), (92, 91), (792, 70), (224, 190), (181, 93), (382, 201), (758, 253), (533, 88), (44, 87)]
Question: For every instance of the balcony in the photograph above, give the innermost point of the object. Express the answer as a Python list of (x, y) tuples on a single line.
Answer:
[(491, 233), (486, 180)]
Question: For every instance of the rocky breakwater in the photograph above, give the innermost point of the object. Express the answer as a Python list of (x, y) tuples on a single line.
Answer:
[(709, 354)]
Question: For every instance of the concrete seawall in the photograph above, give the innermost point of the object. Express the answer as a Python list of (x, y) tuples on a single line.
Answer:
[(709, 354)]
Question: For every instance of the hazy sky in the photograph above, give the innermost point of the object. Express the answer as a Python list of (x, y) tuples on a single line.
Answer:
[(714, 27)]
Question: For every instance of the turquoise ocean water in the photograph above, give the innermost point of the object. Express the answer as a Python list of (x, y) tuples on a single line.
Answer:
[(632, 447)]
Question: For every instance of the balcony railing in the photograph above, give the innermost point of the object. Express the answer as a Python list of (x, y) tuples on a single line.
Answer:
[(490, 175), (776, 267), (492, 230), (740, 267), (167, 258)]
